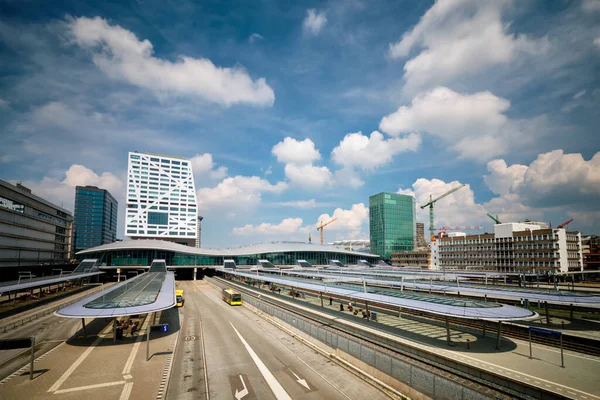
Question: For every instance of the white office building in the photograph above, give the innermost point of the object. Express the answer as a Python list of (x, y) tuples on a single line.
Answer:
[(161, 199)]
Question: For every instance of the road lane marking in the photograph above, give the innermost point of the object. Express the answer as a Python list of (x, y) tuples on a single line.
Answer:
[(300, 381), (126, 391), (273, 383), (136, 346), (98, 385), (239, 394), (73, 367)]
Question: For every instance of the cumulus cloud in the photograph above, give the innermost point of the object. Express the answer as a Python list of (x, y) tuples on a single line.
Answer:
[(457, 38), (349, 223), (62, 191), (474, 125), (238, 193), (121, 55), (312, 203), (369, 152), (590, 5), (458, 208), (298, 157), (314, 21), (255, 37), (203, 165), (286, 226), (295, 151), (503, 179)]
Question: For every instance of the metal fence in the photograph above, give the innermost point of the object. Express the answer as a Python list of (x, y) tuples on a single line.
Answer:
[(420, 379)]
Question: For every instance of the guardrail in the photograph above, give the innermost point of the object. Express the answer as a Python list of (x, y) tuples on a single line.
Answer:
[(31, 317), (418, 362)]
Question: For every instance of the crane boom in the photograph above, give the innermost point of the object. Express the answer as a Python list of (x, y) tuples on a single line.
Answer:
[(495, 219), (564, 224), (432, 202), (323, 225)]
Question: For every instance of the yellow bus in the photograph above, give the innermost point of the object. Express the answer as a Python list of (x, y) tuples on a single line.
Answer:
[(231, 297), (179, 297)]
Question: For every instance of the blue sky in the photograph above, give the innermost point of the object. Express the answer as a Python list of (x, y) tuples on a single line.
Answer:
[(293, 113)]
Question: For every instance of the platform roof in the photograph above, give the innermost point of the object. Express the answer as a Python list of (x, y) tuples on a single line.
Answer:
[(85, 269), (272, 247), (142, 294), (431, 304), (549, 295)]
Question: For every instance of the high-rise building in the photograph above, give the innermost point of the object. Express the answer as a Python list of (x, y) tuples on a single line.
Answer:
[(33, 231), (421, 235), (161, 199), (96, 213), (512, 247), (392, 223)]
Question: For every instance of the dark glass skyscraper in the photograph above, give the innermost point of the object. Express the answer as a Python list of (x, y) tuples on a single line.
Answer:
[(392, 223), (95, 217)]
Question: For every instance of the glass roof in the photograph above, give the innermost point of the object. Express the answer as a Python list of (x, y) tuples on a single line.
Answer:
[(140, 291)]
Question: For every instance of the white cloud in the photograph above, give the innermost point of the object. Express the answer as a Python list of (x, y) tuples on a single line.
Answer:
[(502, 179), (296, 152), (203, 165), (314, 21), (347, 176), (287, 226), (4, 103), (308, 176), (298, 157), (579, 94), (255, 37), (459, 38), (597, 42), (458, 208), (121, 55), (474, 125), (556, 178), (239, 193), (269, 171), (590, 5), (369, 152), (349, 222), (312, 203)]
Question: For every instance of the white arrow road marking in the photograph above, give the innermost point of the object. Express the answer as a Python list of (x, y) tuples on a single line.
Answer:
[(301, 381), (273, 383), (240, 394)]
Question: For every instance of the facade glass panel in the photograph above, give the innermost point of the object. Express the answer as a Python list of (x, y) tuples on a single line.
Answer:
[(392, 223), (96, 213)]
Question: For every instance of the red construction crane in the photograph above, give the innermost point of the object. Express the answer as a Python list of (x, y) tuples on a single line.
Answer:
[(564, 224)]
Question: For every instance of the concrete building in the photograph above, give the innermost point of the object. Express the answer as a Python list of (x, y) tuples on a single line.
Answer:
[(590, 247), (392, 226), (421, 235), (199, 232), (33, 231), (161, 199), (414, 259), (512, 247), (96, 213)]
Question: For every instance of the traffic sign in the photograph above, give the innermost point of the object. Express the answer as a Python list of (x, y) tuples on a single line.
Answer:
[(542, 331)]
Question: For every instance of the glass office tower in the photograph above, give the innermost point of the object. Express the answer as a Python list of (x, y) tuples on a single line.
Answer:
[(161, 199), (392, 223), (96, 213)]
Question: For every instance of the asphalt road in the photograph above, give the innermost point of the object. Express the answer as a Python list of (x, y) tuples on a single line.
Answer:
[(49, 332), (248, 358)]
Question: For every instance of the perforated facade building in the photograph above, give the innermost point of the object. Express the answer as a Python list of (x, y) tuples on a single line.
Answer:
[(161, 199)]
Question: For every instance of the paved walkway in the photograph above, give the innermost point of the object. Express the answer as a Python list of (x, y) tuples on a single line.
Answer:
[(578, 380), (95, 368)]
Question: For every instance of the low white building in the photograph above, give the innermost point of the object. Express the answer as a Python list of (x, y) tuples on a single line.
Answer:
[(512, 247)]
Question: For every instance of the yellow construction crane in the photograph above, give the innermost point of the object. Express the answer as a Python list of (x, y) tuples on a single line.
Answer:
[(431, 203), (323, 225)]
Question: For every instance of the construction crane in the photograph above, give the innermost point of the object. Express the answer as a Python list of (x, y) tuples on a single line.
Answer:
[(458, 228), (564, 224), (495, 219), (432, 202), (323, 225)]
